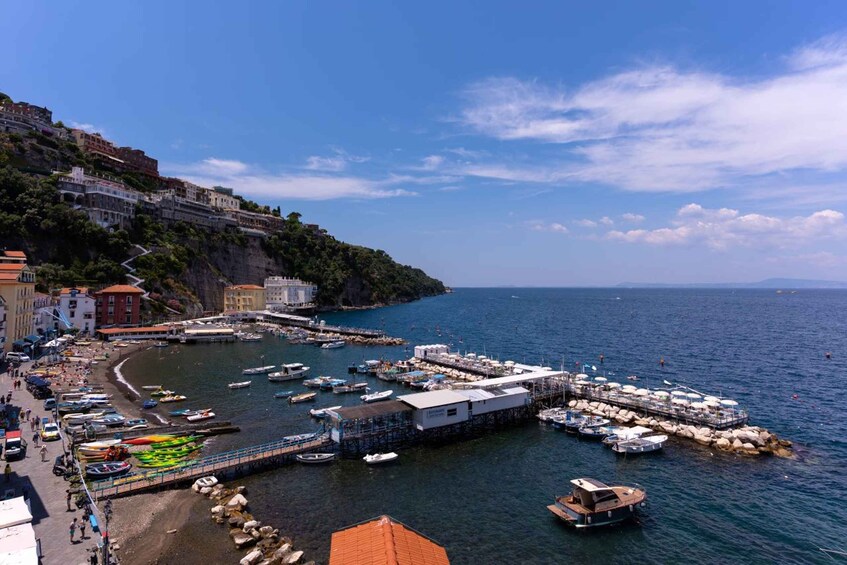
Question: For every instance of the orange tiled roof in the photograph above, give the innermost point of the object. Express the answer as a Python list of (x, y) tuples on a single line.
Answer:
[(125, 288), (8, 276), (12, 266), (82, 290), (143, 330), (16, 254), (384, 542), (245, 287)]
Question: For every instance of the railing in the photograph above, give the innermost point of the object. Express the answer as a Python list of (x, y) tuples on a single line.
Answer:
[(210, 464)]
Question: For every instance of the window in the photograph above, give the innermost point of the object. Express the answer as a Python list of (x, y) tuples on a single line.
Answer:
[(112, 299), (71, 303), (452, 411), (129, 300), (128, 319)]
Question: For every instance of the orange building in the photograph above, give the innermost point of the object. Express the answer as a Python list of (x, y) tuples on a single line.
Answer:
[(244, 298), (384, 541), (17, 289)]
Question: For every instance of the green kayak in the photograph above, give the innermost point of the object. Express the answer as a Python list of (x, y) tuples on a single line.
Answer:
[(175, 442)]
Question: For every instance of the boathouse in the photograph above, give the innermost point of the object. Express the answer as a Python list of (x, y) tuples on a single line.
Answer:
[(436, 408)]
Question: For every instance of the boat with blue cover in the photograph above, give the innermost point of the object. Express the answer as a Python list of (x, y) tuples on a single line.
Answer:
[(150, 404)]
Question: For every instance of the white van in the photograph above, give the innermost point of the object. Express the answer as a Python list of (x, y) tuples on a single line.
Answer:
[(17, 357)]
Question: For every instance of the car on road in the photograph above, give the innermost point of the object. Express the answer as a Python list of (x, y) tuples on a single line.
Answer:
[(49, 431)]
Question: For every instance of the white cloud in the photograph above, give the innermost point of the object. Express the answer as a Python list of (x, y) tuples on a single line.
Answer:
[(253, 182), (90, 128), (723, 228), (586, 223), (632, 218), (607, 221), (664, 129), (317, 163), (432, 162), (539, 225)]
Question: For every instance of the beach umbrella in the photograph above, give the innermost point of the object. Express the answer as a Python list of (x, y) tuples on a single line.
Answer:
[(601, 379), (711, 403), (677, 393), (581, 376), (613, 385), (661, 393), (728, 402), (698, 405), (641, 392), (711, 398), (581, 382), (629, 387), (679, 401), (693, 396)]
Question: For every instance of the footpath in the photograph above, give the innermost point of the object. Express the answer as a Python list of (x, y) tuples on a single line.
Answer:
[(47, 493)]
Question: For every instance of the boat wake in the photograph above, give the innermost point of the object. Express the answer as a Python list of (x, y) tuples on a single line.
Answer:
[(120, 377)]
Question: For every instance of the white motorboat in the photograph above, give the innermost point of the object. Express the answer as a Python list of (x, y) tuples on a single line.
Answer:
[(378, 458), (78, 418), (151, 387), (289, 372), (160, 344), (209, 481), (377, 396), (259, 370), (250, 337), (242, 384), (205, 415), (334, 344), (640, 445), (624, 434), (321, 413)]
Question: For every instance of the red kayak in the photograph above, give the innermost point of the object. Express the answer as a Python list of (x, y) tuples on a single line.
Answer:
[(145, 440)]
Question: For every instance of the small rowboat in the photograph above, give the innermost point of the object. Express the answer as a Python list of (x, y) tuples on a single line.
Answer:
[(304, 397), (183, 412), (152, 387), (173, 398), (377, 396), (242, 384), (160, 392), (150, 404), (315, 458), (378, 458), (284, 394), (103, 444), (201, 416), (209, 481), (259, 370), (105, 470)]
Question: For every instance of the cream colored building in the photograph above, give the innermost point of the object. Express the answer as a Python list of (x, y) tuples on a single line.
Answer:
[(282, 292), (17, 287), (244, 298)]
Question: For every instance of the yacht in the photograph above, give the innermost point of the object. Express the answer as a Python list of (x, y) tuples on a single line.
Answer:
[(592, 503)]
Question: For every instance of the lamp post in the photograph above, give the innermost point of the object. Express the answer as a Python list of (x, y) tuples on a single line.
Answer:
[(107, 514)]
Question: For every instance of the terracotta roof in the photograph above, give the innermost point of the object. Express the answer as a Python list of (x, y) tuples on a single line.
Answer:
[(143, 330), (8, 276), (12, 266), (17, 254), (384, 542), (82, 290), (125, 288), (245, 287)]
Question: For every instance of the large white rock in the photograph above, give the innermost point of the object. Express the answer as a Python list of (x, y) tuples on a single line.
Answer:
[(294, 557), (572, 403), (251, 558), (237, 501), (737, 444), (723, 443), (283, 551), (704, 440), (251, 524), (242, 540), (218, 509)]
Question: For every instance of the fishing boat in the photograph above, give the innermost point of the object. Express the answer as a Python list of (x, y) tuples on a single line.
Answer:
[(334, 344), (595, 433), (259, 370), (592, 503), (152, 387), (106, 470), (136, 422), (304, 397), (622, 434), (317, 382), (77, 407), (321, 413), (379, 458), (315, 458), (160, 344), (390, 375), (77, 419), (284, 394), (183, 412), (549, 414), (173, 398), (639, 445), (345, 388), (150, 403), (570, 421), (161, 392), (250, 337), (201, 416), (329, 384), (376, 396), (289, 372), (187, 413), (242, 384)]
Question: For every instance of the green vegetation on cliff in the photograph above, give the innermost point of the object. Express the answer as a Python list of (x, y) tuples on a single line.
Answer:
[(188, 266)]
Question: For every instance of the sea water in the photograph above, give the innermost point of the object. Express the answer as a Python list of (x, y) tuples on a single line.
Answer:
[(485, 499)]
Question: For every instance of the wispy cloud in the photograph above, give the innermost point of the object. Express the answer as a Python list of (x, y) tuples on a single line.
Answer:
[(724, 228), (90, 128), (660, 128), (632, 218), (554, 227), (333, 163), (252, 181)]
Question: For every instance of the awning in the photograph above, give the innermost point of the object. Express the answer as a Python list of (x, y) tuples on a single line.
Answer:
[(33, 339)]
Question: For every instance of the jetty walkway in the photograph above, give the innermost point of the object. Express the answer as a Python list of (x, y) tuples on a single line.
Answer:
[(275, 452)]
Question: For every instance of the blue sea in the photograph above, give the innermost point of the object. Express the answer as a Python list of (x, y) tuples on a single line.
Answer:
[(485, 499)]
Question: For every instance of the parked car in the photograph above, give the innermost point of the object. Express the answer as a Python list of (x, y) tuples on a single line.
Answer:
[(17, 357), (49, 431), (15, 445)]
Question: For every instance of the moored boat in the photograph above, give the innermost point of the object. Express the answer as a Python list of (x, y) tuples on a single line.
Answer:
[(106, 470), (639, 445), (161, 392), (315, 458), (334, 344), (621, 434), (173, 398), (152, 387), (242, 384), (592, 503), (284, 394), (205, 415), (160, 344), (150, 403), (304, 397), (378, 458), (345, 388), (289, 372), (377, 396), (259, 370), (321, 413)]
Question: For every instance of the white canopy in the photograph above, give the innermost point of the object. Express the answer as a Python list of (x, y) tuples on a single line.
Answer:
[(711, 403), (677, 393), (641, 392), (629, 387), (581, 382), (14, 511), (601, 379), (662, 393), (698, 405), (728, 402), (581, 376), (679, 401), (509, 363), (613, 385), (711, 398), (693, 396)]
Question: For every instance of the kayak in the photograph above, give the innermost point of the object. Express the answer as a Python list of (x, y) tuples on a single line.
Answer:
[(164, 455), (145, 440), (175, 442), (104, 444)]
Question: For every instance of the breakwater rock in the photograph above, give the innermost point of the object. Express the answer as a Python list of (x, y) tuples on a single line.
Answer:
[(264, 543), (745, 440)]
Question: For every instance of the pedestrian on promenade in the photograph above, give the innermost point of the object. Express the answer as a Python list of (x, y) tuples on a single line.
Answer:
[(73, 530), (28, 412), (82, 529), (69, 500), (35, 438), (8, 472), (43, 453)]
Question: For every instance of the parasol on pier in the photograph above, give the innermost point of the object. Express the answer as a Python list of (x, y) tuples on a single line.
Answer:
[(677, 393), (661, 394), (681, 401), (641, 392), (728, 402), (693, 396), (601, 379)]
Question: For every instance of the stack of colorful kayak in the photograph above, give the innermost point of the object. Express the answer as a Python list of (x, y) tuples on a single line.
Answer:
[(169, 452)]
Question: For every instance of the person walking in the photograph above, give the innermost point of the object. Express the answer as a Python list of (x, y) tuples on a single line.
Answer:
[(35, 437), (82, 529), (8, 472), (68, 500), (73, 530), (43, 453)]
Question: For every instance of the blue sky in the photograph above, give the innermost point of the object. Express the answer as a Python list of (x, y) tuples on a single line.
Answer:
[(489, 143)]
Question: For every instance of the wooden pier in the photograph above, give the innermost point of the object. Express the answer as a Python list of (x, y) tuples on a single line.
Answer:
[(242, 460), (79, 436)]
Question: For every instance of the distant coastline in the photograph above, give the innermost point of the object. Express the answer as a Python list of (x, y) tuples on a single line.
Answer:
[(767, 284)]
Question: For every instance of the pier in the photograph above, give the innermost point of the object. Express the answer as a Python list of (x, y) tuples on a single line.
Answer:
[(247, 459)]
